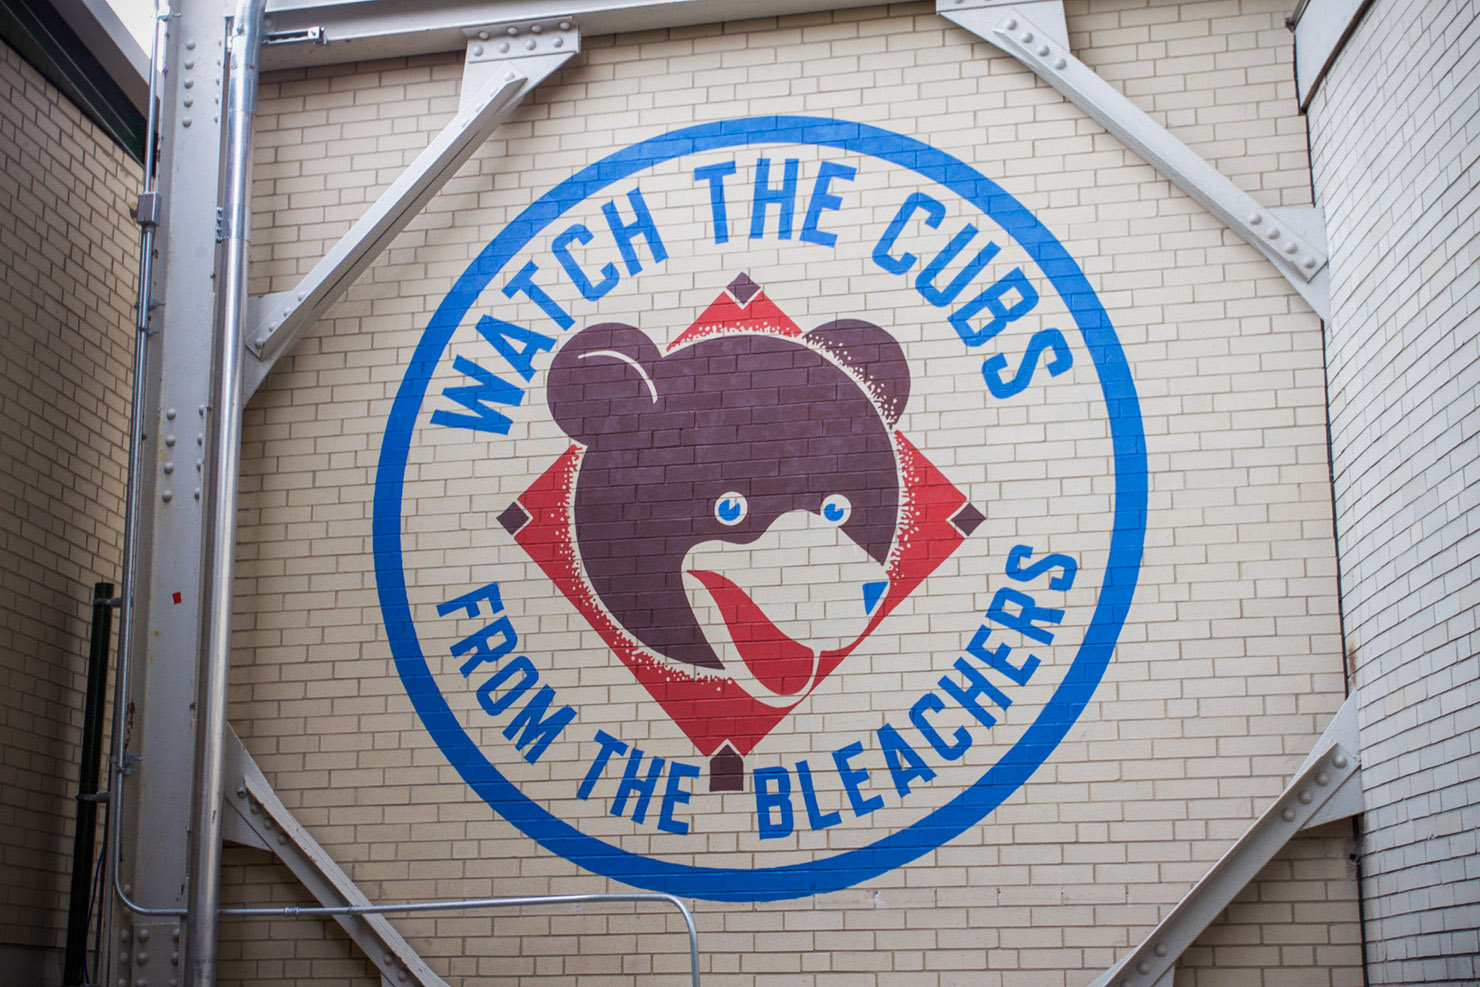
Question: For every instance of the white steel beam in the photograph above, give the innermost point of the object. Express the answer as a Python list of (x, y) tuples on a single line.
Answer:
[(1328, 786), (353, 30), (1300, 256), (259, 818), (504, 63), (151, 794)]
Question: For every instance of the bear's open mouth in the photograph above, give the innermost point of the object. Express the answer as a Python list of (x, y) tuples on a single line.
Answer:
[(778, 662)]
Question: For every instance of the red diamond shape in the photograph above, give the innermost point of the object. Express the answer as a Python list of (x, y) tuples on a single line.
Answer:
[(712, 709)]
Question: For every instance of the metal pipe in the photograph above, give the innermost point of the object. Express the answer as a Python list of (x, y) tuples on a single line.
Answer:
[(130, 565), (463, 904), (203, 895)]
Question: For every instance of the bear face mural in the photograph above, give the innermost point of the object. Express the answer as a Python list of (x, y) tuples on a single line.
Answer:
[(705, 468), (736, 514)]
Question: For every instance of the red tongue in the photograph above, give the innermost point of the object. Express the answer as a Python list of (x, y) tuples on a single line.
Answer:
[(779, 663)]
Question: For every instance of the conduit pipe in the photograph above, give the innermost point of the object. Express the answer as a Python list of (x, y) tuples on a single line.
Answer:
[(203, 896), (117, 767)]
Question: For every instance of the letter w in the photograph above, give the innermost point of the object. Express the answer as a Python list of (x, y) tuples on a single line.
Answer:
[(477, 398)]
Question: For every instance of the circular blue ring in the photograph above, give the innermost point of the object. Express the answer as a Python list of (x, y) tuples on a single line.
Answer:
[(1004, 777)]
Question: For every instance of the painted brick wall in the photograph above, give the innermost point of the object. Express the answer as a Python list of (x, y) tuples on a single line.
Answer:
[(1227, 669), (1397, 166), (68, 251)]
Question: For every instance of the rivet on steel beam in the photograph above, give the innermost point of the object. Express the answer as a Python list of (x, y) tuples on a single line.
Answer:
[(565, 25), (511, 76), (1340, 759), (142, 959), (169, 440), (1043, 51), (1304, 796), (170, 414), (1060, 64), (1292, 248), (169, 468), (477, 49), (1322, 778), (503, 46), (1011, 24), (1160, 949), (190, 46), (167, 496), (535, 29), (1143, 967), (1027, 37), (1256, 219), (189, 83), (197, 493), (282, 838), (1310, 265), (513, 32), (482, 35), (529, 45), (185, 122), (1288, 815), (559, 42), (241, 792), (189, 102), (1273, 233)]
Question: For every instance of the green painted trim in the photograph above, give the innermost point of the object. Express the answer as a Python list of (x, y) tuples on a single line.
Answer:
[(42, 38)]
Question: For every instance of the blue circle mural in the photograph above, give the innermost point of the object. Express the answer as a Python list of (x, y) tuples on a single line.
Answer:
[(762, 427)]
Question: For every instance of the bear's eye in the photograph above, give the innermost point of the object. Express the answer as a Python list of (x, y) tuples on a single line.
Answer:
[(730, 508), (835, 509)]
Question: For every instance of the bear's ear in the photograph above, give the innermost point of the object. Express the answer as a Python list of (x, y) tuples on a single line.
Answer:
[(871, 353), (603, 374)]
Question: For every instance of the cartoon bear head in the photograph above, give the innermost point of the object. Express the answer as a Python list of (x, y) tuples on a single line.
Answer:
[(712, 445)]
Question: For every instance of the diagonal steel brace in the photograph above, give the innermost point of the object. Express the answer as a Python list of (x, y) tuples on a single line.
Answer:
[(494, 82)]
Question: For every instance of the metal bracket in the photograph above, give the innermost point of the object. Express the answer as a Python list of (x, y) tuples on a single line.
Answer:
[(1011, 28), (494, 82), (259, 818), (1328, 786), (491, 46), (1047, 14)]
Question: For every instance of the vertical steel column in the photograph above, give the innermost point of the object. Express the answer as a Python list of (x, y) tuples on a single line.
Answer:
[(150, 821), (204, 899)]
